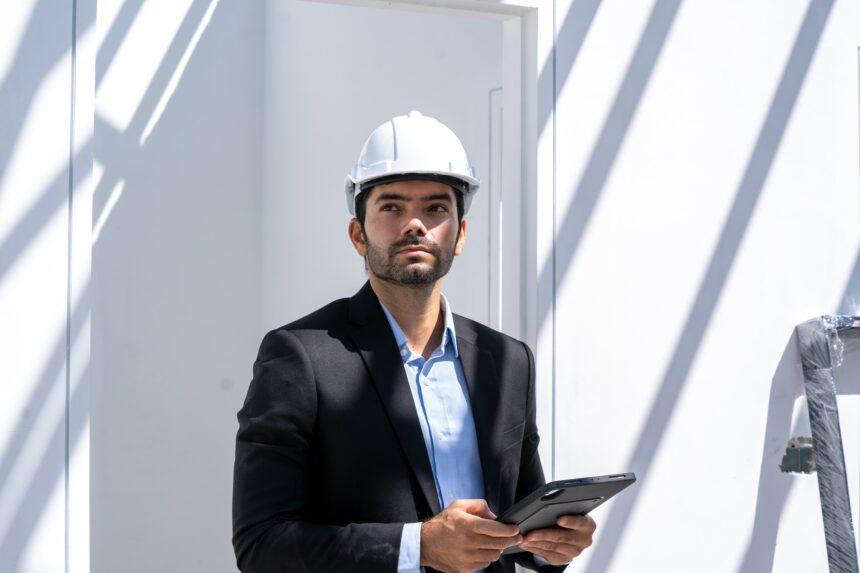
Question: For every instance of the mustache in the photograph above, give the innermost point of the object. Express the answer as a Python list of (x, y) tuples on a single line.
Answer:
[(414, 242)]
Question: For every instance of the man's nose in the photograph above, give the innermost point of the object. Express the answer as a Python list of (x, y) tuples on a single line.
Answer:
[(415, 225)]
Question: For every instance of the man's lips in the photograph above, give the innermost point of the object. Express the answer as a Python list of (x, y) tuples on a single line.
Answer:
[(412, 250)]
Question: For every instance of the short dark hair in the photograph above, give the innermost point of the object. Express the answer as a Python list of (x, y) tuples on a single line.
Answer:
[(361, 206)]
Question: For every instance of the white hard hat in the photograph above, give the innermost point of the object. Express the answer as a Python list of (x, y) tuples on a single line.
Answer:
[(412, 146)]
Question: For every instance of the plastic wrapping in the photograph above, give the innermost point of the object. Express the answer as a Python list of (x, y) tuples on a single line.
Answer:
[(821, 350)]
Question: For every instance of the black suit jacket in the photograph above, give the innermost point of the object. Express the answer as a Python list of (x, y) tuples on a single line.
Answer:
[(330, 459)]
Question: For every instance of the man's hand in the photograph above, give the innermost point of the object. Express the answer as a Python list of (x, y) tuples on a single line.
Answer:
[(464, 537), (559, 545)]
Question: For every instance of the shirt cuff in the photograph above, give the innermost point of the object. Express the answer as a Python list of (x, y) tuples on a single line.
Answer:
[(409, 560)]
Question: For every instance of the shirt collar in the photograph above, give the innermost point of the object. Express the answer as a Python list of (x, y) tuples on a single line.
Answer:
[(448, 335)]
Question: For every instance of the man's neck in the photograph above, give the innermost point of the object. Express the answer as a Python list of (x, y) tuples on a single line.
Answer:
[(417, 310)]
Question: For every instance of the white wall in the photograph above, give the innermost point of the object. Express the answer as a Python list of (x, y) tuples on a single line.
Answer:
[(707, 201), (44, 300)]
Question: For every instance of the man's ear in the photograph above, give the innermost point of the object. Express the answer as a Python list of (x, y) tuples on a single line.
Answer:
[(356, 235), (461, 238)]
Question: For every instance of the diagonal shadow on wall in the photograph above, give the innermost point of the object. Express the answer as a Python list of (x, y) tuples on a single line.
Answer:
[(569, 41), (49, 204), (113, 39), (773, 485), (747, 196), (18, 437), (33, 60), (51, 467), (55, 196), (605, 150)]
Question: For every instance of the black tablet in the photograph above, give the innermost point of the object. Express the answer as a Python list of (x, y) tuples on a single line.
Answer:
[(566, 497)]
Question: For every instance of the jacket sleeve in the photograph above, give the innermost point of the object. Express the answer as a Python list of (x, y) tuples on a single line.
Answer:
[(273, 478), (531, 471)]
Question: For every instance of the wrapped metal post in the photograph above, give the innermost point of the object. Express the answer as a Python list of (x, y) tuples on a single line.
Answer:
[(821, 351)]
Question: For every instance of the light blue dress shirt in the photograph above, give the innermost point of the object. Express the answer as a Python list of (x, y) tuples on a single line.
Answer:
[(441, 399)]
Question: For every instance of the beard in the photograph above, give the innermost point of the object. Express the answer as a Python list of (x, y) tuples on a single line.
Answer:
[(384, 264)]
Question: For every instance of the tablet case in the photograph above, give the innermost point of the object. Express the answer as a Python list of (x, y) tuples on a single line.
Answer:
[(566, 497)]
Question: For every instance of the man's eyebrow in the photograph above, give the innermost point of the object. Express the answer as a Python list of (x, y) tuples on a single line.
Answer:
[(397, 197), (437, 197)]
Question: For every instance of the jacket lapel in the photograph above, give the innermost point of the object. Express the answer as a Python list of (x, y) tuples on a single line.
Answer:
[(483, 383), (372, 335)]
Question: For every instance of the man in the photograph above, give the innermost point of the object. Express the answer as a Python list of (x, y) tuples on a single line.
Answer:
[(383, 432)]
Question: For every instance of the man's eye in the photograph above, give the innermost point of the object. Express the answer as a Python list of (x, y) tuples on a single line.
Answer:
[(385, 207), (440, 206)]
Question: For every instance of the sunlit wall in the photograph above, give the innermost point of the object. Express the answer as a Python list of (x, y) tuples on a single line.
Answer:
[(706, 201), (45, 161)]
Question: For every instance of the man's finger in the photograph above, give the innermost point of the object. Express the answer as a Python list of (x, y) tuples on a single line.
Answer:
[(491, 527), (569, 551), (560, 535), (580, 522), (552, 557), (492, 542)]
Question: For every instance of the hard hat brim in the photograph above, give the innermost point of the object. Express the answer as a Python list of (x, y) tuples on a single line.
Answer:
[(467, 186), (453, 181)]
